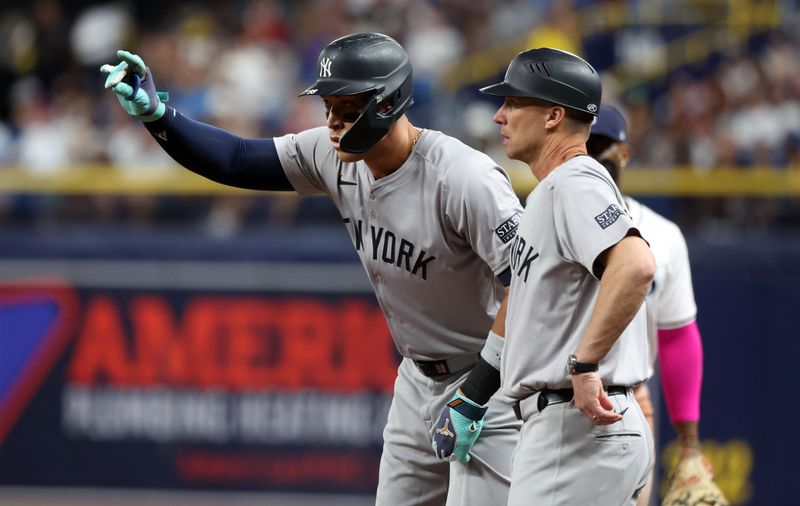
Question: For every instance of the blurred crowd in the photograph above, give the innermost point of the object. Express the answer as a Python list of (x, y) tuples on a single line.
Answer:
[(239, 65)]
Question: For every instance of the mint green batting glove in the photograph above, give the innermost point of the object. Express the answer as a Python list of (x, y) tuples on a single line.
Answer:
[(458, 428), (132, 82)]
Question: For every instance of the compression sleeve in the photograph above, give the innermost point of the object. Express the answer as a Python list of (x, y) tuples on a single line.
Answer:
[(680, 354), (219, 155)]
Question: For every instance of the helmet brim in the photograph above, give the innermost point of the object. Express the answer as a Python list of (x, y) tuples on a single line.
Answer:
[(339, 87), (503, 89)]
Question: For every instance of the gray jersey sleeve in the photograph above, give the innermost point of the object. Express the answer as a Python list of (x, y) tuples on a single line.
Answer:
[(589, 215), (482, 207), (303, 156)]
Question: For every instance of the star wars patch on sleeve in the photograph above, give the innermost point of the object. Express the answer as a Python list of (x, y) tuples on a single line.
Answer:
[(609, 216), (508, 229)]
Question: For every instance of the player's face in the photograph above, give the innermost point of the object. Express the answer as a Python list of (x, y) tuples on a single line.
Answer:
[(341, 112), (522, 122)]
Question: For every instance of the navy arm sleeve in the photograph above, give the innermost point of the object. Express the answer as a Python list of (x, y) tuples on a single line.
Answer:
[(220, 155)]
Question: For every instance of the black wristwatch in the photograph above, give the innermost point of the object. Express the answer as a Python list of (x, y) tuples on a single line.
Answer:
[(575, 367)]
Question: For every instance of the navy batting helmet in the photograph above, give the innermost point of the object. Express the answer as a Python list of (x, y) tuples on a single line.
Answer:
[(366, 62), (554, 76)]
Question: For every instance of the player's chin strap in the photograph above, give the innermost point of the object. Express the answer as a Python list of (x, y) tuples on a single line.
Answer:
[(484, 379)]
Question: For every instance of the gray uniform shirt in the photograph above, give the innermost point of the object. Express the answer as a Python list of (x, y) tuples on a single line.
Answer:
[(432, 235), (573, 215)]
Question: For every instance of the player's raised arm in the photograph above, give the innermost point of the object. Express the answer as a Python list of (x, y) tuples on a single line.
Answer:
[(201, 148)]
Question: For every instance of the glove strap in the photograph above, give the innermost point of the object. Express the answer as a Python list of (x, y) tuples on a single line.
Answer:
[(160, 110), (467, 409), (135, 85)]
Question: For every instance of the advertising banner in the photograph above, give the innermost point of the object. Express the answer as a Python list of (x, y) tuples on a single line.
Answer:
[(180, 388), (277, 376)]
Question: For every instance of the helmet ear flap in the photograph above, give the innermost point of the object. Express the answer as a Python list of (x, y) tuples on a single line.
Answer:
[(365, 133), (373, 123)]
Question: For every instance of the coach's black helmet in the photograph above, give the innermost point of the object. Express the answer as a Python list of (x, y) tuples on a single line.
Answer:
[(360, 63), (554, 76)]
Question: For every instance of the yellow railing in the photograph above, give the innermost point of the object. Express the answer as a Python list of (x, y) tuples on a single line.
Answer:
[(105, 180), (687, 182)]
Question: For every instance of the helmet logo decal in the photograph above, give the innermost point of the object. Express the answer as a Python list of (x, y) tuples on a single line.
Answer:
[(591, 107), (325, 67)]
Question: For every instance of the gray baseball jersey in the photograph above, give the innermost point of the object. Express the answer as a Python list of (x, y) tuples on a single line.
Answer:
[(432, 236), (670, 304), (572, 216)]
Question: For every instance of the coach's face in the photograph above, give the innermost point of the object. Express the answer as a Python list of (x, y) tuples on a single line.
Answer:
[(341, 111), (522, 127)]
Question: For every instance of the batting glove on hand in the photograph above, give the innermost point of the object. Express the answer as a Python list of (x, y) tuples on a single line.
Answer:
[(132, 82), (458, 428), (692, 484)]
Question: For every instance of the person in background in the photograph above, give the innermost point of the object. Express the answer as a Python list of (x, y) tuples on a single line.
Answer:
[(672, 330)]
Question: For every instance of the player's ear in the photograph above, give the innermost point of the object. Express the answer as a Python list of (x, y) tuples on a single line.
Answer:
[(555, 116), (625, 153)]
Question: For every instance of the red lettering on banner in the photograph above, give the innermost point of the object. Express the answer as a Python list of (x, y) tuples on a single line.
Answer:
[(160, 352), (254, 353), (368, 353), (203, 331), (237, 344), (350, 468), (101, 353), (309, 332)]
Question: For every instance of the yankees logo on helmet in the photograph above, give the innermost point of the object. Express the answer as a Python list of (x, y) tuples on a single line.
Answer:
[(325, 67)]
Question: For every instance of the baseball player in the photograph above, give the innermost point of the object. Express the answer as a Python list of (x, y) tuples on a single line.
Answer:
[(432, 221), (671, 327), (576, 339)]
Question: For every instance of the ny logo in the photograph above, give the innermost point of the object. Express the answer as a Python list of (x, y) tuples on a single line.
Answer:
[(325, 67)]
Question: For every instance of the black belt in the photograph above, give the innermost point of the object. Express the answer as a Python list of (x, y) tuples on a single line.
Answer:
[(548, 397), (436, 368)]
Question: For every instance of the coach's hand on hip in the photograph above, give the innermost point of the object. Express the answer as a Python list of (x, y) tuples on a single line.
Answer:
[(132, 82), (592, 400), (458, 428)]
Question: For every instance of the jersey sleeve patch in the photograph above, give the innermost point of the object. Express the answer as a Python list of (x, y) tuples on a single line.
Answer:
[(508, 229), (609, 216)]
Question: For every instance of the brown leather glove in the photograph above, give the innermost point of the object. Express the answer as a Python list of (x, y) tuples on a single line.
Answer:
[(692, 484)]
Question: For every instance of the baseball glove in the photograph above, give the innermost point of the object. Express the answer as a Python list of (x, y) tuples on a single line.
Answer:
[(692, 484)]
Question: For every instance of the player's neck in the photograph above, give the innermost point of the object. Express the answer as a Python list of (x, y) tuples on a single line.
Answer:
[(555, 153), (391, 152)]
